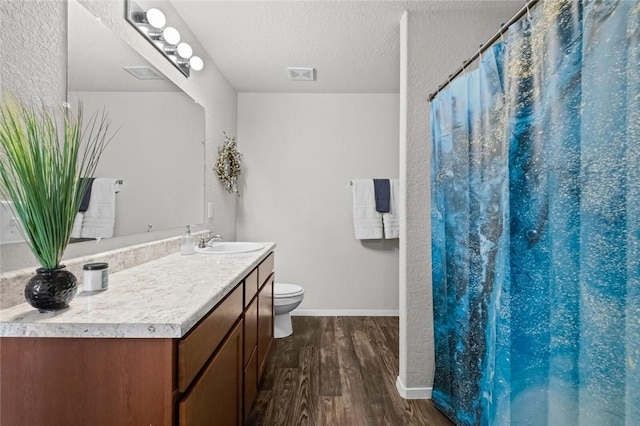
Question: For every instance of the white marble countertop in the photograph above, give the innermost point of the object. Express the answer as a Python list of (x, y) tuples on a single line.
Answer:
[(163, 298)]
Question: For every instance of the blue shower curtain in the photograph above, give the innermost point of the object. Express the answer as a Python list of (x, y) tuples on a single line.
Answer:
[(536, 223)]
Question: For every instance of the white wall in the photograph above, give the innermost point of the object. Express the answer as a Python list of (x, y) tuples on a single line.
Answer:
[(34, 66), (300, 153), (434, 45)]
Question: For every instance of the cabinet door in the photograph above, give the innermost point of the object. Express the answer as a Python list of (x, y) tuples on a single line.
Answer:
[(250, 383), (216, 396), (250, 330), (265, 323)]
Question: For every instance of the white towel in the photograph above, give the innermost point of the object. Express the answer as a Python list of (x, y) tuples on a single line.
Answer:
[(391, 220), (100, 217), (10, 228), (76, 232), (367, 222)]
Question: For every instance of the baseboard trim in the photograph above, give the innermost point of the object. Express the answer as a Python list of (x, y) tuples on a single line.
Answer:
[(345, 313), (412, 393)]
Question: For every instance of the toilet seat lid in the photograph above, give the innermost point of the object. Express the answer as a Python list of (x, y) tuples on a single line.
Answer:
[(287, 290)]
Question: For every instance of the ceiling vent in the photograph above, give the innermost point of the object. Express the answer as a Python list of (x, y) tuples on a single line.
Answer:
[(144, 73), (301, 74)]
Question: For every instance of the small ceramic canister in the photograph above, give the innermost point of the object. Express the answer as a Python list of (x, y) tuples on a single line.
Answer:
[(96, 276)]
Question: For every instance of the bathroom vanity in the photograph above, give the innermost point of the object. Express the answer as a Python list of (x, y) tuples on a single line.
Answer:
[(182, 340)]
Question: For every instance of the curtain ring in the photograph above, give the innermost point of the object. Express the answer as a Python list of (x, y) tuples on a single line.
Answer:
[(528, 13), (502, 32), (480, 52)]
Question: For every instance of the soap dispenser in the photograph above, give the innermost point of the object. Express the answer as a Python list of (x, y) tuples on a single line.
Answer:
[(187, 245)]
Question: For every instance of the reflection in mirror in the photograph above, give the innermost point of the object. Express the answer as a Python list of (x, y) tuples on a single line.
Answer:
[(158, 152)]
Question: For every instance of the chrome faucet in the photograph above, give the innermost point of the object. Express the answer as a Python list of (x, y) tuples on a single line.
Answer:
[(212, 238)]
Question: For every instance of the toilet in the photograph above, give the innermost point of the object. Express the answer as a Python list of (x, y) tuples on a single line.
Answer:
[(286, 297)]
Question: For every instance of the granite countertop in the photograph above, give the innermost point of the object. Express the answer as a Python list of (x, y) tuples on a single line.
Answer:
[(163, 298)]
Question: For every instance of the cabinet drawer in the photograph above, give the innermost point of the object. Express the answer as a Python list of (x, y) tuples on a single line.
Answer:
[(265, 269), (216, 397), (250, 286), (250, 329), (197, 346), (250, 383)]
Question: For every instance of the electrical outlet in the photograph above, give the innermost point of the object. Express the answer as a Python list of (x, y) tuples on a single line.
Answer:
[(209, 210)]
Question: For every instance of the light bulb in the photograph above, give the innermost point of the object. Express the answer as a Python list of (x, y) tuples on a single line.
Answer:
[(196, 63), (156, 18), (184, 50), (171, 35)]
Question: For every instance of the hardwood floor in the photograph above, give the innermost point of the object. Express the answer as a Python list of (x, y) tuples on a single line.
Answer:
[(338, 371)]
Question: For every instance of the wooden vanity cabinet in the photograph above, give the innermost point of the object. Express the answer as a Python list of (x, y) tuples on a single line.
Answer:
[(208, 377), (224, 390)]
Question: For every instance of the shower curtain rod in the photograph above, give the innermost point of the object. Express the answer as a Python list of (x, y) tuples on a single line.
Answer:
[(503, 29)]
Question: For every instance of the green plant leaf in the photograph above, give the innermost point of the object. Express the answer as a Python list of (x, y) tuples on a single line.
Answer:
[(43, 157)]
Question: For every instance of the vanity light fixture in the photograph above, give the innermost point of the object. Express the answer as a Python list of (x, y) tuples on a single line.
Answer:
[(151, 24), (169, 35)]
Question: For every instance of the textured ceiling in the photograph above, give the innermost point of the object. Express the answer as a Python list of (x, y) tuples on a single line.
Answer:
[(354, 45)]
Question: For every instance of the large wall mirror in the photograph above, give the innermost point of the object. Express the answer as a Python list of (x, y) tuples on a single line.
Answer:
[(158, 151)]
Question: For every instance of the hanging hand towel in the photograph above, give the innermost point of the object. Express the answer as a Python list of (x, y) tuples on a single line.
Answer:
[(367, 222), (382, 192), (86, 197), (100, 217), (391, 220)]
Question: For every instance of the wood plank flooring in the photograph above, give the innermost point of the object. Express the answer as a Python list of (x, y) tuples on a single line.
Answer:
[(338, 371)]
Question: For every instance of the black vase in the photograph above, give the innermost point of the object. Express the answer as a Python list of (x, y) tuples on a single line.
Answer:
[(51, 289)]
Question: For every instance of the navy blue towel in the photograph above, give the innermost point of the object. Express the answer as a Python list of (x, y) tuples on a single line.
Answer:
[(382, 191), (84, 204)]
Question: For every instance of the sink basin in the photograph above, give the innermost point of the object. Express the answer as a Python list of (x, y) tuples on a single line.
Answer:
[(229, 248)]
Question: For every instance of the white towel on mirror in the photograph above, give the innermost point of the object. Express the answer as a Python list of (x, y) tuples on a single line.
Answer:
[(100, 217), (76, 232), (391, 220), (10, 228), (367, 222)]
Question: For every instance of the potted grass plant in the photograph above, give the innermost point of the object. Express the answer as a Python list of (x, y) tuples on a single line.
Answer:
[(44, 154)]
